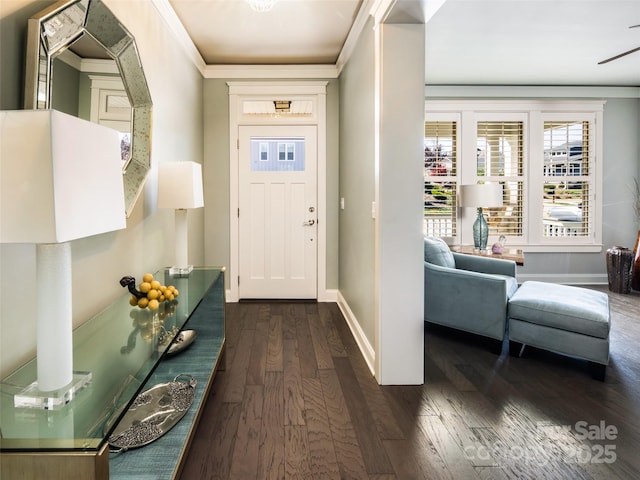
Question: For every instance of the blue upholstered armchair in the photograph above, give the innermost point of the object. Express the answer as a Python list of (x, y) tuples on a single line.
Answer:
[(467, 292)]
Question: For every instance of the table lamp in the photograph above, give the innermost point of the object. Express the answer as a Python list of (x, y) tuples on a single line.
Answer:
[(60, 180), (180, 188), (481, 195)]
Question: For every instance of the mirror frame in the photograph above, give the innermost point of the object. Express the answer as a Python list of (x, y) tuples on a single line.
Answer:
[(52, 31)]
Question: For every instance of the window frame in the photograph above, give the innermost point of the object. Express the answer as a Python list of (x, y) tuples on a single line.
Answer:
[(456, 179), (535, 113)]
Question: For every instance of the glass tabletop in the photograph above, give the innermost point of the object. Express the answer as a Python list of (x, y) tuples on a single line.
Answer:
[(120, 347)]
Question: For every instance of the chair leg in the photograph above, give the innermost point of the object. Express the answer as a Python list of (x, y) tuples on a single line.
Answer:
[(516, 349), (598, 371)]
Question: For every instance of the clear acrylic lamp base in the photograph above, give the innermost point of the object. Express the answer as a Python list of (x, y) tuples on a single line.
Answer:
[(33, 397)]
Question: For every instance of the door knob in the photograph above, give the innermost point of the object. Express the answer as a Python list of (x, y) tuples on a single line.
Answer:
[(309, 223)]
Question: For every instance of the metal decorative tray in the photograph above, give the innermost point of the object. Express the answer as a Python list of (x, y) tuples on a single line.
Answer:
[(153, 413), (180, 343)]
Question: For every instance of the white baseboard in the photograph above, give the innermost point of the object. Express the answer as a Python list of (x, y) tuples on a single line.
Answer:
[(566, 278), (328, 295), (366, 349)]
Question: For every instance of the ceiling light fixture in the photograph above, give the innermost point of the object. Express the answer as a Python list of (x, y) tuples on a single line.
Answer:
[(282, 106), (261, 5)]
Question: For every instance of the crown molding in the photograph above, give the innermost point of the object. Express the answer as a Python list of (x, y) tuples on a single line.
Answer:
[(270, 71), (167, 12), (530, 91)]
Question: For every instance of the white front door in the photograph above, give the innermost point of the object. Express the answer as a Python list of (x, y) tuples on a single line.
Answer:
[(277, 212)]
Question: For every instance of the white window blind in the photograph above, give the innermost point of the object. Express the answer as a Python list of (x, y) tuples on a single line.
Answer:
[(567, 188), (440, 179), (500, 158)]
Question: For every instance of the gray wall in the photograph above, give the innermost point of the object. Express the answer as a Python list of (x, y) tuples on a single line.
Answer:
[(147, 243), (66, 88), (216, 175), (357, 183)]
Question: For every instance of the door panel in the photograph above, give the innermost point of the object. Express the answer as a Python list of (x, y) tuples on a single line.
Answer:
[(278, 212)]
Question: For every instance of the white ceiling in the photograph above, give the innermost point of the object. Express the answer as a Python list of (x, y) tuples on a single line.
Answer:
[(468, 42)]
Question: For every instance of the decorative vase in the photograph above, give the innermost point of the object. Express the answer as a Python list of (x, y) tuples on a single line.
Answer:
[(480, 232), (635, 270), (619, 263)]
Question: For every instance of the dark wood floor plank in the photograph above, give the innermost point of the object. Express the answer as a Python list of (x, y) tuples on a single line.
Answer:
[(405, 403), (439, 348), (374, 455), (235, 390), (323, 461), (293, 393), (271, 462), (456, 424), (383, 417), (258, 357), (345, 442), (274, 345), (306, 349), (320, 343), (328, 313), (296, 452), (459, 465), (491, 473), (292, 311), (416, 458), (216, 445), (244, 462)]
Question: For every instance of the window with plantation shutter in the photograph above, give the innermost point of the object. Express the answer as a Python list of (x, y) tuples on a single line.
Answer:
[(567, 191), (546, 155), (440, 181), (500, 159)]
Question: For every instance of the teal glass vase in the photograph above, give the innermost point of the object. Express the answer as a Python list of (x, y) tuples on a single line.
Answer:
[(480, 232)]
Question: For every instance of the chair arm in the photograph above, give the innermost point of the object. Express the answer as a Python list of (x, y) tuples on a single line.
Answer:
[(475, 263), (467, 300)]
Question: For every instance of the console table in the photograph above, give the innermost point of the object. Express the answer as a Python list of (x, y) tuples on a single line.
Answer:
[(508, 254), (120, 347)]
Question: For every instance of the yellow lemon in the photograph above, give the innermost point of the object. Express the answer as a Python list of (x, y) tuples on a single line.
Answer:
[(153, 304), (143, 302), (145, 287), (133, 300), (155, 285), (153, 294), (147, 277)]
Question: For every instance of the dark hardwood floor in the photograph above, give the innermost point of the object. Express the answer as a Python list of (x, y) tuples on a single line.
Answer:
[(296, 401)]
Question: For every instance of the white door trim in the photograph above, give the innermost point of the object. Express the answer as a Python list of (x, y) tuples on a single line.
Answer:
[(239, 93)]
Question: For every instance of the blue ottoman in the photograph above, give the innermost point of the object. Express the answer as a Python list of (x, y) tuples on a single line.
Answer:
[(568, 320)]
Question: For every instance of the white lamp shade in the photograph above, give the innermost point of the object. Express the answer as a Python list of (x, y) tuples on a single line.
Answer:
[(180, 185), (481, 195), (60, 178)]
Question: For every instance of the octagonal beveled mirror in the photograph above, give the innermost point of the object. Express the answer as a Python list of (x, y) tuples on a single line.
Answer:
[(89, 34)]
